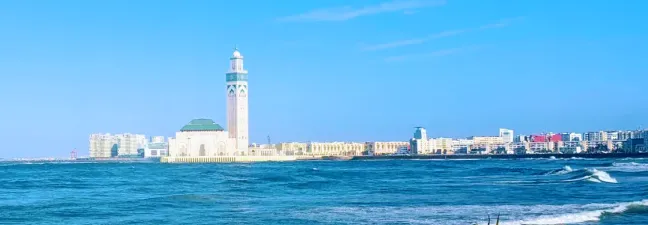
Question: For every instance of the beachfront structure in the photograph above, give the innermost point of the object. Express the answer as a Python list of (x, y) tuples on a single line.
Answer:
[(130, 144), (486, 140), (202, 137), (335, 148), (419, 143), (156, 149), (292, 148), (444, 145), (507, 135), (158, 139), (385, 148), (102, 145)]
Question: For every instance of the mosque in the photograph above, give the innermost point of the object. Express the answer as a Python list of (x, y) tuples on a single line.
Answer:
[(204, 137)]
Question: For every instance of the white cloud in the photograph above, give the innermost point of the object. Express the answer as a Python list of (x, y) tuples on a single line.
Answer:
[(449, 33), (347, 12)]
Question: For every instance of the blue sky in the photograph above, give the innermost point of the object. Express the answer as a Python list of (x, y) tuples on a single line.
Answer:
[(319, 70)]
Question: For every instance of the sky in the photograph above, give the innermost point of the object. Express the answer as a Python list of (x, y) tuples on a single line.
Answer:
[(365, 70)]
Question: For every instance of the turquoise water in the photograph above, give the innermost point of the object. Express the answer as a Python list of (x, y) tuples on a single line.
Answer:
[(576, 191)]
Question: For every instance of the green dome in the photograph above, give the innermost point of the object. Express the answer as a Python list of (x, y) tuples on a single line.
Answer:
[(202, 125)]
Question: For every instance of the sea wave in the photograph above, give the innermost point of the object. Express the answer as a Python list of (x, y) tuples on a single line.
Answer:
[(473, 214), (564, 170), (639, 207), (578, 175), (593, 175), (630, 167)]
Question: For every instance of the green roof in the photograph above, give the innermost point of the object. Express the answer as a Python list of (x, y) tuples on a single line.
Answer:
[(202, 125)]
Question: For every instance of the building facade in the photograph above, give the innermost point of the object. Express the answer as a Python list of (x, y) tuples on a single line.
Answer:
[(103, 146), (292, 148), (131, 144), (156, 150), (419, 143), (336, 148), (486, 140), (202, 137), (507, 135), (385, 148)]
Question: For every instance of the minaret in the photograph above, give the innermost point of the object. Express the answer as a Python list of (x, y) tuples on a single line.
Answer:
[(237, 103)]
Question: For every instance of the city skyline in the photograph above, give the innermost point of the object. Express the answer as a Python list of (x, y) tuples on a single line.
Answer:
[(77, 68)]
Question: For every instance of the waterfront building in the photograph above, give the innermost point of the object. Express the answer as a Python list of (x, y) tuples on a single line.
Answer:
[(625, 135), (486, 140), (292, 148), (612, 135), (156, 149), (158, 139), (551, 137), (419, 143), (336, 148), (571, 136), (570, 147), (521, 138), (103, 146), (447, 145), (202, 137), (130, 144), (237, 102), (538, 138), (541, 147), (262, 150), (595, 136), (506, 135), (385, 148)]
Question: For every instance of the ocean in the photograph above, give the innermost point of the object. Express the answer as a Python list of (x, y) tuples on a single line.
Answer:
[(543, 191)]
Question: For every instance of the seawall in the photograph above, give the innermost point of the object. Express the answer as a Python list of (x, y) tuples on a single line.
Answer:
[(507, 156), (234, 159)]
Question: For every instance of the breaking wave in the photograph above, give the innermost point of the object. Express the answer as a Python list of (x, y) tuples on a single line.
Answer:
[(472, 214), (631, 167), (592, 175), (640, 207), (564, 170)]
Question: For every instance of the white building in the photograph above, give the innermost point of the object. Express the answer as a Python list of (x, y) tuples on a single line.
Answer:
[(203, 137), (101, 145), (385, 148), (441, 145), (158, 139), (419, 144), (571, 136), (156, 150), (506, 135), (129, 144), (336, 148), (486, 140), (237, 102)]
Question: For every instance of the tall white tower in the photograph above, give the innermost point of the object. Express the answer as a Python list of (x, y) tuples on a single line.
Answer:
[(237, 102)]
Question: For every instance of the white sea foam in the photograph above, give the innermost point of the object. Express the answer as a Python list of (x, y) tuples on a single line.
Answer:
[(627, 167), (564, 170), (578, 217), (594, 175), (468, 214)]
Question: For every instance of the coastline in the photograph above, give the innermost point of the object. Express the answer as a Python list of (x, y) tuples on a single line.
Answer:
[(508, 156)]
